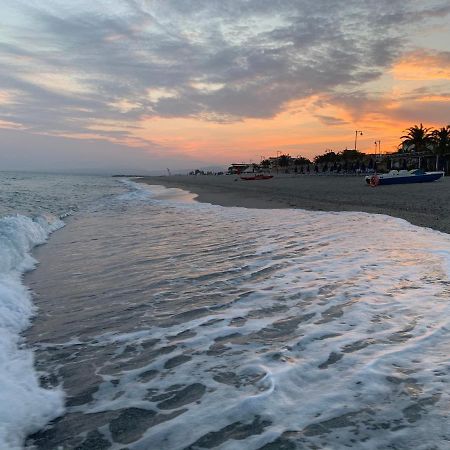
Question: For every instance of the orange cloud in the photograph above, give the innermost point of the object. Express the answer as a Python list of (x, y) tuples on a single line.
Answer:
[(435, 98), (423, 65), (307, 127)]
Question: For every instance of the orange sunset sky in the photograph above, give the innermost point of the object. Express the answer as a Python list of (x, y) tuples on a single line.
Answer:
[(145, 85)]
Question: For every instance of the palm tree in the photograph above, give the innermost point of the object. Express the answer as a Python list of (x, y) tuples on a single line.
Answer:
[(441, 142), (417, 138)]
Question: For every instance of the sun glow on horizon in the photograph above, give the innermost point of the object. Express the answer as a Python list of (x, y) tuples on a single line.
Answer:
[(220, 84)]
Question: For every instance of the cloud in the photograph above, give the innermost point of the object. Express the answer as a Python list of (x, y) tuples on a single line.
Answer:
[(434, 111), (331, 121), (423, 65), (428, 104), (220, 61)]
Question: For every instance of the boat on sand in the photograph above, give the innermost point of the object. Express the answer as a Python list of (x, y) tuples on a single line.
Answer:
[(403, 177)]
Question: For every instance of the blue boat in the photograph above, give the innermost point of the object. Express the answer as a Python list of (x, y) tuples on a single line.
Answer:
[(403, 177)]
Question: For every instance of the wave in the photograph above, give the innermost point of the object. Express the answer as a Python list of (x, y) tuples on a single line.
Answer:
[(314, 329), (25, 406), (155, 193)]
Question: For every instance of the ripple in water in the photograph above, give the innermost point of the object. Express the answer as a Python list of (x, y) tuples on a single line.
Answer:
[(190, 326)]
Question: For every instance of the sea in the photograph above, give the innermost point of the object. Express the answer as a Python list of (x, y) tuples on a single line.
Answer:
[(133, 317)]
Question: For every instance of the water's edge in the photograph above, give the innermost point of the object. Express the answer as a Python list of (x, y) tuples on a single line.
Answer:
[(25, 406), (305, 327)]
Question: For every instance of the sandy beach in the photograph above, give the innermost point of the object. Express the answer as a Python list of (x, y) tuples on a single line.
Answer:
[(426, 205)]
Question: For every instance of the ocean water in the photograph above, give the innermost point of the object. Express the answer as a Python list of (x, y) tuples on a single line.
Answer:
[(31, 208), (164, 323)]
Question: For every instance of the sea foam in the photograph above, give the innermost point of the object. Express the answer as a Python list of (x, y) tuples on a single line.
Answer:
[(155, 193), (25, 406), (324, 329), (233, 328)]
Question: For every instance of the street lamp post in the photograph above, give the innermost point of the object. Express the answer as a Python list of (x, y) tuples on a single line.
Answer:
[(356, 136), (378, 147)]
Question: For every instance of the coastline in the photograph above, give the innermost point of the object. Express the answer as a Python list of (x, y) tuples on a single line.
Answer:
[(425, 204), (88, 295)]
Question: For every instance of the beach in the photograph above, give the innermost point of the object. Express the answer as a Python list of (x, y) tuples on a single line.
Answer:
[(205, 242), (425, 205), (155, 321)]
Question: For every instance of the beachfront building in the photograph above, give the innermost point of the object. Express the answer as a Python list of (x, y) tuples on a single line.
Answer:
[(425, 148), (237, 168), (427, 161)]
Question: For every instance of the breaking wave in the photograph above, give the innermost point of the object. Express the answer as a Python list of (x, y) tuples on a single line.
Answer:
[(25, 406)]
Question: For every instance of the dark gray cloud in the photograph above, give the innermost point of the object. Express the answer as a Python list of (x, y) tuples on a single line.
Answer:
[(217, 60)]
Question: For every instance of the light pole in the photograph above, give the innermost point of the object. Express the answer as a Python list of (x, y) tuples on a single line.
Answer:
[(356, 136), (379, 158), (378, 147)]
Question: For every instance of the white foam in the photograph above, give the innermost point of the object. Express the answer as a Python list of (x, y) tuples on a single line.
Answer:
[(155, 193), (25, 407), (376, 289)]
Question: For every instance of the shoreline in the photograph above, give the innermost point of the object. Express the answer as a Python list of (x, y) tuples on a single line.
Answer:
[(424, 204)]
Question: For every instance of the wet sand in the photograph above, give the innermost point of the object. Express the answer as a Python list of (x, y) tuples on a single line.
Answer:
[(426, 205)]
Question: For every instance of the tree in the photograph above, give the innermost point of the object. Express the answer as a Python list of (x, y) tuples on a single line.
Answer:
[(441, 142), (265, 163), (418, 138), (301, 160), (328, 157), (350, 155), (283, 160)]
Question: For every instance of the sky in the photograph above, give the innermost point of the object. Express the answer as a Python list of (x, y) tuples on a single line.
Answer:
[(141, 85)]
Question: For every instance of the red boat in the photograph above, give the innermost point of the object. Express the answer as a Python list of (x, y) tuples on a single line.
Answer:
[(256, 176)]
